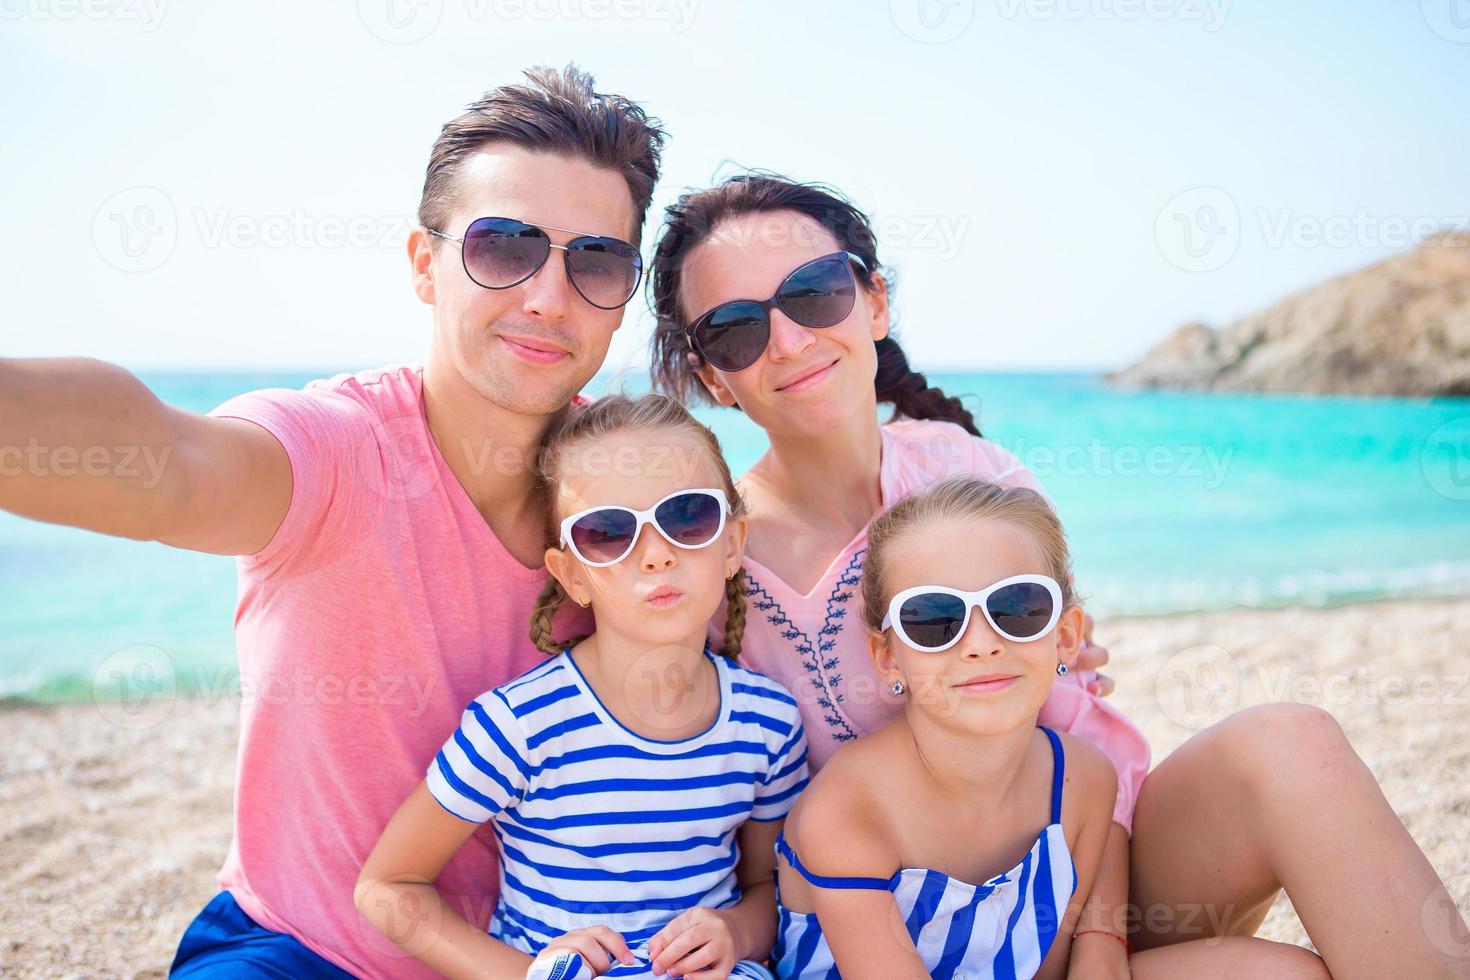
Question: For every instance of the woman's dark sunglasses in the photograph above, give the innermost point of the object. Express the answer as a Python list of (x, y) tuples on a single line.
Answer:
[(502, 252), (819, 293)]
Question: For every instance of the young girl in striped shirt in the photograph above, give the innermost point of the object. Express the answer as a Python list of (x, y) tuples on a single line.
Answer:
[(962, 839), (636, 782)]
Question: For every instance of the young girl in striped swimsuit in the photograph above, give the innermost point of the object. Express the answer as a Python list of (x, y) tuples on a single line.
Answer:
[(636, 782), (962, 839)]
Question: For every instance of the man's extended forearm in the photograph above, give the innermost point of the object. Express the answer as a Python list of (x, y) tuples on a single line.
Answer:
[(84, 443)]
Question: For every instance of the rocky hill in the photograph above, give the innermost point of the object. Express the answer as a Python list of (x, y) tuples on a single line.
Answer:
[(1401, 327)]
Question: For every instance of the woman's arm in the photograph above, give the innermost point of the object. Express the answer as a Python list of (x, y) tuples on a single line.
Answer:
[(396, 893), (1089, 791), (1102, 951)]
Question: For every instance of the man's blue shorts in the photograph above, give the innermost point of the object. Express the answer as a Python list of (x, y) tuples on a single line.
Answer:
[(223, 941)]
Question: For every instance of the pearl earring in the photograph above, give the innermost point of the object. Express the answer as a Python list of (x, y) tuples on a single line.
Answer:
[(1061, 669), (896, 687)]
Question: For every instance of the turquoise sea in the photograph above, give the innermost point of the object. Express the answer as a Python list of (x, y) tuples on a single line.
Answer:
[(1172, 501)]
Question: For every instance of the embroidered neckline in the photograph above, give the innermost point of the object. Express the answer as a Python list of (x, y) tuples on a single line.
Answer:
[(816, 657)]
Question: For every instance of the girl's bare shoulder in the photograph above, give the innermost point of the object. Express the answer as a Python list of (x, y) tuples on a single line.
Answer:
[(1090, 786), (856, 783)]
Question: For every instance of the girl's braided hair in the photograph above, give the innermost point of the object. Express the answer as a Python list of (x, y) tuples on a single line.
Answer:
[(646, 413)]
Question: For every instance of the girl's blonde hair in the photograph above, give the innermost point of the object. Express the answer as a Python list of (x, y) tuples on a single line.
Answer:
[(963, 498), (589, 425)]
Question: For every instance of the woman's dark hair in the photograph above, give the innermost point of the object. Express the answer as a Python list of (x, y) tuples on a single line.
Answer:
[(694, 216)]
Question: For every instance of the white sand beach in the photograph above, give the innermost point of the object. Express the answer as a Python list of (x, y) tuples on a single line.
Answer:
[(111, 833)]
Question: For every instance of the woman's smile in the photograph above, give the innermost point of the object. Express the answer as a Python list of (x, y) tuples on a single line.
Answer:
[(809, 379)]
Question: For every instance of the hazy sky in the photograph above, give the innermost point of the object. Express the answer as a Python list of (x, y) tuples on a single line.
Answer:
[(1058, 183)]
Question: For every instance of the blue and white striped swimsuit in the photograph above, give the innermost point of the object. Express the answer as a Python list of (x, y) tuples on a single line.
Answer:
[(1001, 928), (597, 825)]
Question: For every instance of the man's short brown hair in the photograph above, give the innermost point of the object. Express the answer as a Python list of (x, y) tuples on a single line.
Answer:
[(555, 111)]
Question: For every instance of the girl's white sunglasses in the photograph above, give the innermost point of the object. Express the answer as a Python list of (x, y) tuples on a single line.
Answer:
[(932, 618), (601, 536)]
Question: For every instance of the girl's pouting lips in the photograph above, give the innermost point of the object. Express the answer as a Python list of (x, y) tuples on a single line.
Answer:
[(664, 596), (988, 683), (808, 380)]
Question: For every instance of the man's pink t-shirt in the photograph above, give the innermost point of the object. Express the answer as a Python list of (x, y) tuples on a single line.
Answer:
[(815, 644), (381, 607)]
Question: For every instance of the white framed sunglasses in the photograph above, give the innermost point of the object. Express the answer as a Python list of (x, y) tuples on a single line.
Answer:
[(932, 618), (602, 536)]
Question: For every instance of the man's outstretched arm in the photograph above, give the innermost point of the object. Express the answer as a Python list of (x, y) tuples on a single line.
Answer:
[(85, 443)]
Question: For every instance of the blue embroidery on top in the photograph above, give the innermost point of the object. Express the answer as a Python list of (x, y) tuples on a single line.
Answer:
[(817, 658)]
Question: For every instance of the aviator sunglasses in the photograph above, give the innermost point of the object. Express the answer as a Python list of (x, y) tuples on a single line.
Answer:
[(932, 618), (819, 293), (502, 252), (601, 536)]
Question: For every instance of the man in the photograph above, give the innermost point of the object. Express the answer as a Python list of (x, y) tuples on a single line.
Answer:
[(388, 528)]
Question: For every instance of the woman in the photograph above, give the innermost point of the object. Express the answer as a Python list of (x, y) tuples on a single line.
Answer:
[(1221, 826)]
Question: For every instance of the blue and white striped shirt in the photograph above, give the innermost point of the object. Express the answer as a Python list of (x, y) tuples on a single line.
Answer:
[(600, 826), (1000, 929)]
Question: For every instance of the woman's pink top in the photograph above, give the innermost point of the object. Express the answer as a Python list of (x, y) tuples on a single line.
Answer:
[(816, 644)]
